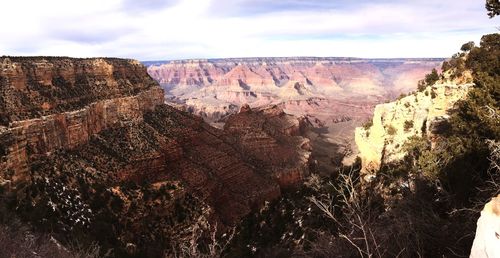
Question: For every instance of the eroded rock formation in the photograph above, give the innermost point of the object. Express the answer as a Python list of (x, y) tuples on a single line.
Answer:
[(94, 148), (419, 114), (274, 139), (207, 85)]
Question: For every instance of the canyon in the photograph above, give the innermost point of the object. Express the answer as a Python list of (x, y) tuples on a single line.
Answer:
[(90, 146), (335, 94), (212, 88)]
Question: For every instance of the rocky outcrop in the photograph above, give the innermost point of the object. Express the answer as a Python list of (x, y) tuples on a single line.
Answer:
[(206, 85), (419, 114), (107, 155), (273, 139), (487, 239), (51, 104), (32, 87)]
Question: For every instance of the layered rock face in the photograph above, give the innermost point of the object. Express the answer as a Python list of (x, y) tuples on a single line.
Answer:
[(97, 131), (36, 87), (210, 87), (419, 114), (335, 94), (51, 103), (275, 139), (487, 239)]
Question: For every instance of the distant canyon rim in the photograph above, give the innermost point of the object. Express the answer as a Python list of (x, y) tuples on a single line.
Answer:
[(335, 94)]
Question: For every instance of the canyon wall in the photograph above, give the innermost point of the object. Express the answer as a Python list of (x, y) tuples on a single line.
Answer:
[(275, 139), (211, 87), (335, 94), (419, 114), (51, 104), (88, 144)]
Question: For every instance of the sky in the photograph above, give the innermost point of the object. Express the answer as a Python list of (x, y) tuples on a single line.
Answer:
[(183, 29)]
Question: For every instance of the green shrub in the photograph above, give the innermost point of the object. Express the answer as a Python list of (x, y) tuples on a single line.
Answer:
[(391, 130), (467, 46), (368, 124), (446, 66), (432, 78), (421, 85), (408, 125), (433, 94)]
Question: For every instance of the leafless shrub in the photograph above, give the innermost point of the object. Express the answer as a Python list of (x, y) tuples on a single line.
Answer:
[(204, 242), (367, 227), (494, 147), (355, 226)]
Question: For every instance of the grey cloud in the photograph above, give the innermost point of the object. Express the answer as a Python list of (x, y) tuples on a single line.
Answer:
[(87, 37)]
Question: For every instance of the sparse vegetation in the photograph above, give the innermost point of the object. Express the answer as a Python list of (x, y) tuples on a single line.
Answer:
[(391, 130), (467, 46), (421, 85), (429, 80), (446, 66), (368, 124), (424, 206), (408, 125), (452, 180), (433, 94), (432, 78)]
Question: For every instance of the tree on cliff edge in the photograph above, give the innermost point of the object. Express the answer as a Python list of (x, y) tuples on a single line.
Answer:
[(493, 7)]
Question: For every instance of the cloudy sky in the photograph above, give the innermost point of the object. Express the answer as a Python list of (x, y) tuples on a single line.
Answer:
[(179, 29)]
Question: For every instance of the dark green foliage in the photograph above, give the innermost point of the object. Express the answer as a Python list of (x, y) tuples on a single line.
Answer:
[(408, 125), (476, 120), (421, 85), (433, 94), (429, 80), (459, 159), (493, 7), (467, 46), (446, 66), (432, 78), (368, 124)]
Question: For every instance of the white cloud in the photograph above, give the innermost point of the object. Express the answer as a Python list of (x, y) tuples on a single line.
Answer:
[(175, 29)]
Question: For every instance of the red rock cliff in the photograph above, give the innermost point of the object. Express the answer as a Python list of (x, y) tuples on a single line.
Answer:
[(101, 124), (59, 103)]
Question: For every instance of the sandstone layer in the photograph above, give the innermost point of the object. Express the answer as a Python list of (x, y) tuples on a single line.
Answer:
[(51, 104), (275, 139), (335, 94), (210, 87), (94, 148), (419, 114)]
